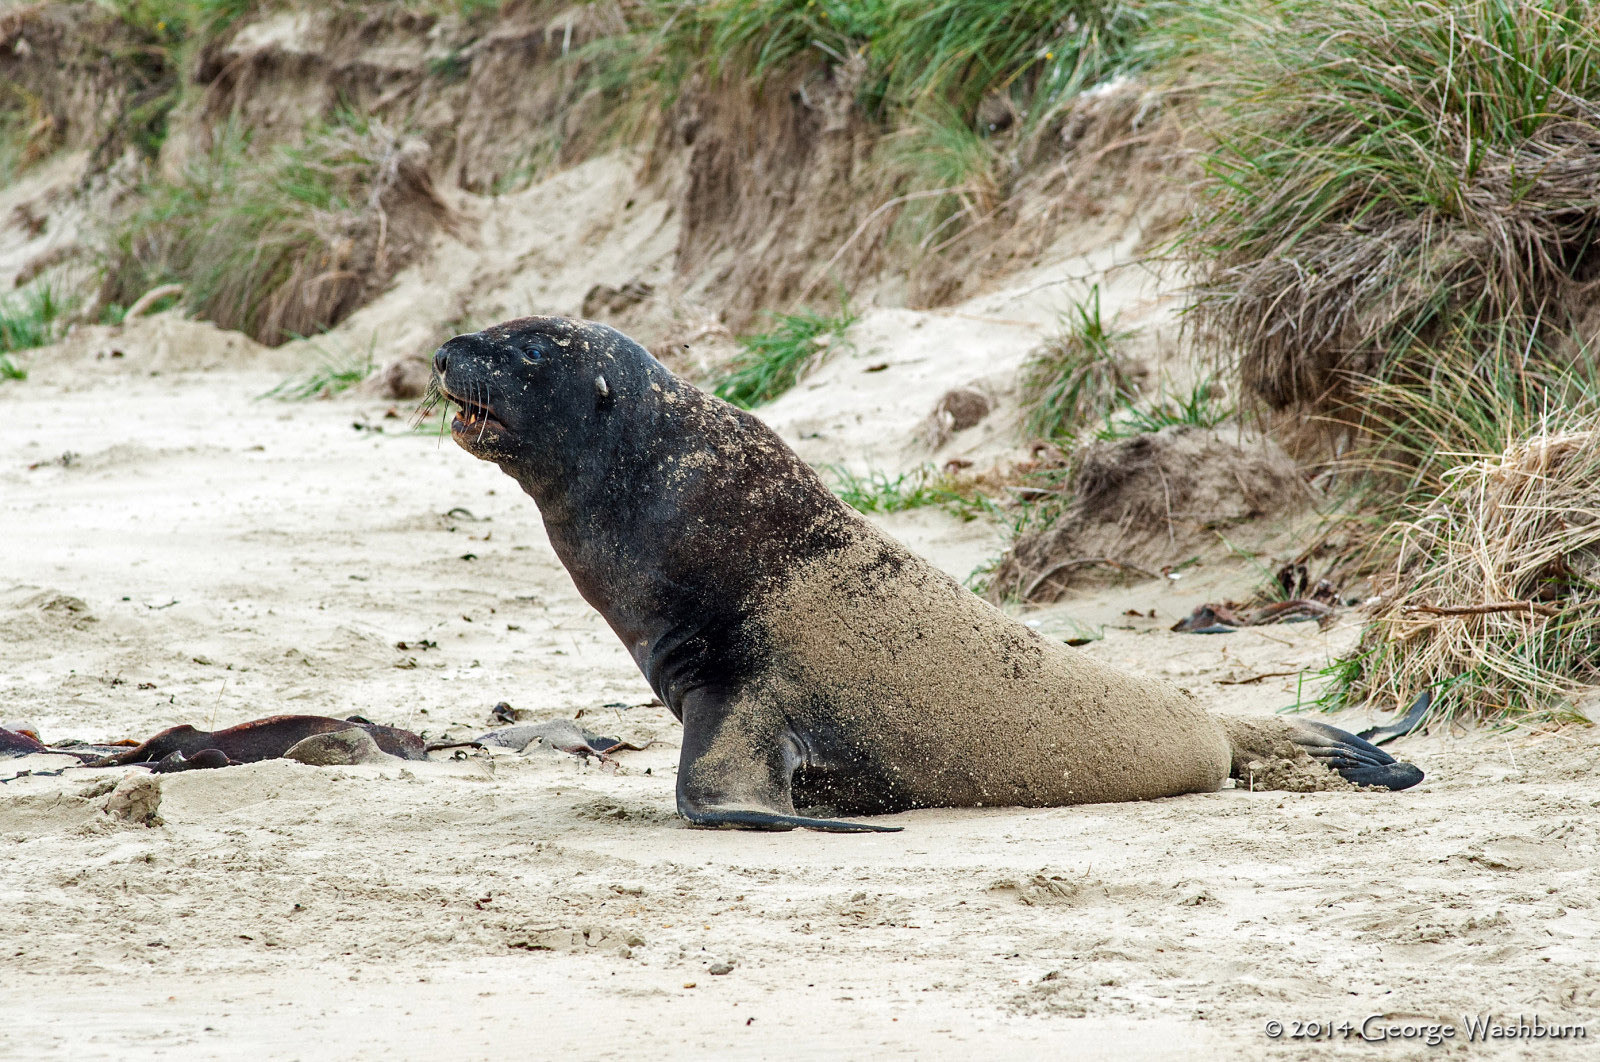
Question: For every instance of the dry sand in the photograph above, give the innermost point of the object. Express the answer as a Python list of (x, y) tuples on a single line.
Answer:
[(177, 550)]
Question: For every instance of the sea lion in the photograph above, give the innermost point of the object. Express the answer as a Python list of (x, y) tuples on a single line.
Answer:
[(813, 660)]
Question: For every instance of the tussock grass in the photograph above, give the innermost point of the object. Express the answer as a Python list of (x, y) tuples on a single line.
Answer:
[(1398, 239), (167, 34), (1494, 599), (1478, 395), (942, 77), (1386, 170), (1079, 376), (1472, 492), (950, 51), (281, 245), (949, 169), (774, 361)]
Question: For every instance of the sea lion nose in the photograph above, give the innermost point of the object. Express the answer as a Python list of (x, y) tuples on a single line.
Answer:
[(441, 362)]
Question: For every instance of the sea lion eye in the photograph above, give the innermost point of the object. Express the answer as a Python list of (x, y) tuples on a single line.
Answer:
[(530, 351)]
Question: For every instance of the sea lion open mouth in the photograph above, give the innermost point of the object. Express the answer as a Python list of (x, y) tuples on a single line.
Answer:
[(473, 417)]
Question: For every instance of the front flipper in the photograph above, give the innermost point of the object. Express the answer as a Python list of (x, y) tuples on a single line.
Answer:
[(737, 766), (1356, 760)]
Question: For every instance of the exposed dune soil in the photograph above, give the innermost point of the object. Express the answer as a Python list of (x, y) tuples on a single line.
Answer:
[(205, 556)]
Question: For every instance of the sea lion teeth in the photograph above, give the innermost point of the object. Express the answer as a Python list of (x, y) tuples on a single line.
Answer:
[(813, 660)]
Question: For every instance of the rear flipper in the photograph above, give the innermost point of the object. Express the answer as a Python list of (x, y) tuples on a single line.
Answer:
[(1356, 760), (1405, 725), (1270, 752)]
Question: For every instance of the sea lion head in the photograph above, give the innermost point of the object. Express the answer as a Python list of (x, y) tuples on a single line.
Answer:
[(536, 392)]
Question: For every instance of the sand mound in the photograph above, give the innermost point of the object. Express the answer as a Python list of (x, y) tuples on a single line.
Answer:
[(1144, 503), (28, 612), (166, 342)]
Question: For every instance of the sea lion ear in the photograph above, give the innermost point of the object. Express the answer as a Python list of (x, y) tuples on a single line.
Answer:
[(602, 391)]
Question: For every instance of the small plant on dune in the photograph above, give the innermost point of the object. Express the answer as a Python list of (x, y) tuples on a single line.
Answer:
[(774, 361), (1079, 377), (878, 492), (31, 319), (336, 371), (27, 131), (1202, 406), (280, 245)]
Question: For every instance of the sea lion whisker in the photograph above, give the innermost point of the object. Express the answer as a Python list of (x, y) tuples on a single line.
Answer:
[(483, 423), (431, 398)]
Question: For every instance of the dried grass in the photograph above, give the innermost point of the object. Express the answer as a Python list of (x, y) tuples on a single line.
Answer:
[(1495, 596)]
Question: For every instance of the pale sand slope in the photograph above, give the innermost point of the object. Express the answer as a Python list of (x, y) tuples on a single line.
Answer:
[(245, 557)]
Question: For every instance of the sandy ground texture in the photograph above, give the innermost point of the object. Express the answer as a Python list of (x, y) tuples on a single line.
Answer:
[(178, 550)]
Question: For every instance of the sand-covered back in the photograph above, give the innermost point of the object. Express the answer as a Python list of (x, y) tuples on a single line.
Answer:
[(968, 707)]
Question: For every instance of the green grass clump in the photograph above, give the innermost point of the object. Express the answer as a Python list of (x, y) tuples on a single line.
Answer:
[(276, 244), (773, 361), (878, 492), (1078, 377), (31, 319), (1203, 406)]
